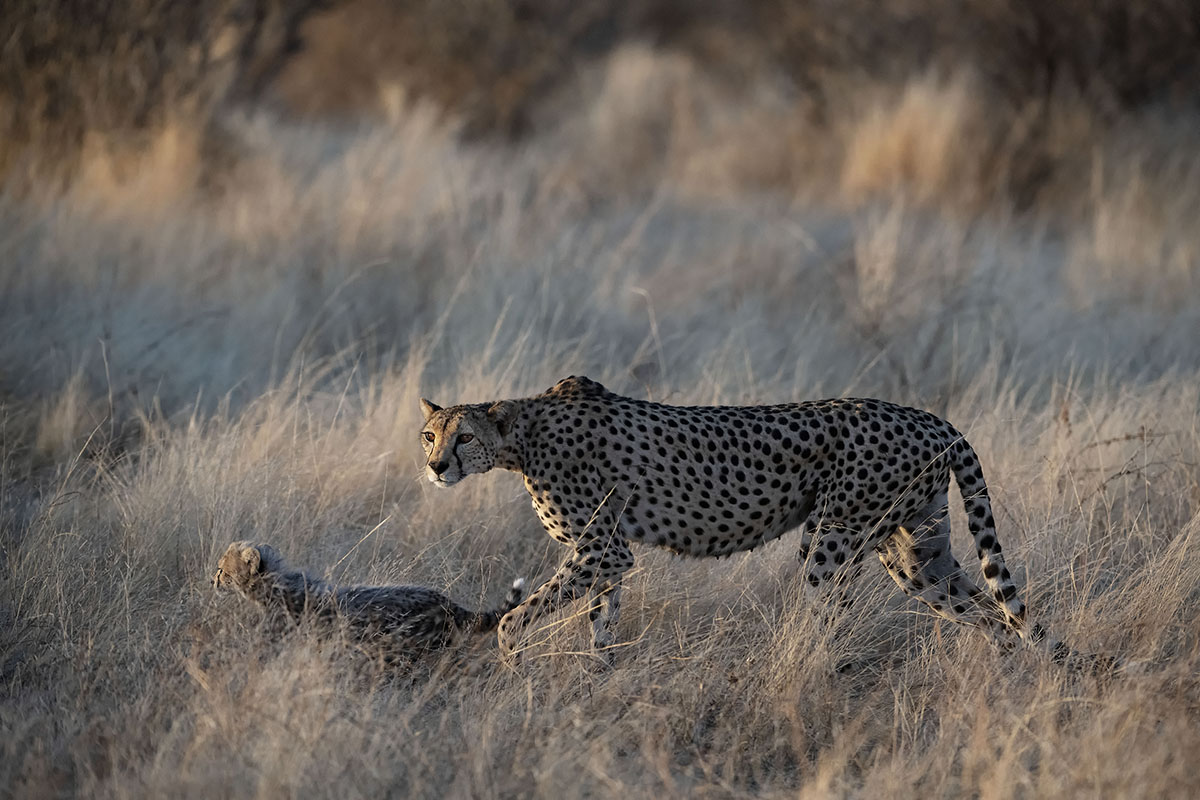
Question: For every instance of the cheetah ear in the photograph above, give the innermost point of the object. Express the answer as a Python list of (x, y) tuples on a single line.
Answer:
[(502, 415), (429, 409), (253, 559)]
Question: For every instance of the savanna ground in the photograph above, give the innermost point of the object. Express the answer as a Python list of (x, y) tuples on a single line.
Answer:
[(234, 257)]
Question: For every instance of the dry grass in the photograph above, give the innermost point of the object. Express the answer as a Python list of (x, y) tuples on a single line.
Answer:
[(181, 367)]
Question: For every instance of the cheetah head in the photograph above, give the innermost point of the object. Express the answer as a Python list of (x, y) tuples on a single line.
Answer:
[(463, 440), (243, 563)]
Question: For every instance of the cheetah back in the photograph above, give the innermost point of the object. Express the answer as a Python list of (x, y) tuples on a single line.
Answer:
[(713, 480)]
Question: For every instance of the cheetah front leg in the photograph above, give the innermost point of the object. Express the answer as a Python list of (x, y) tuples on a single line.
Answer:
[(594, 569), (615, 561)]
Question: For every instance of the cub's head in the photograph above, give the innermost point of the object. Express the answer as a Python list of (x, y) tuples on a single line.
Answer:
[(463, 440), (243, 563)]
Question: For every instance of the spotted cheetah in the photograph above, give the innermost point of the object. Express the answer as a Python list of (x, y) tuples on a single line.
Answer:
[(400, 620), (853, 474)]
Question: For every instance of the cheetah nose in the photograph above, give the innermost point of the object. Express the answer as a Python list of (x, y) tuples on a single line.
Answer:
[(439, 467)]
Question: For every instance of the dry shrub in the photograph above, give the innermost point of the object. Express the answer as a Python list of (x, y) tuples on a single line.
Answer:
[(931, 143), (145, 184), (1116, 56), (1143, 212), (766, 94), (488, 63), (492, 62), (77, 74), (640, 116), (68, 423)]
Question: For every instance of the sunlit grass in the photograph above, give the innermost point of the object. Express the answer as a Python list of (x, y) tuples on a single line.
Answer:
[(182, 369)]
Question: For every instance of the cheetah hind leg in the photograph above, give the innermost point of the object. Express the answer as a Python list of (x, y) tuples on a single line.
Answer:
[(918, 557)]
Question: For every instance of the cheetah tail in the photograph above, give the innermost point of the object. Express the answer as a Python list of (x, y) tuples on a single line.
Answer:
[(488, 620), (969, 475)]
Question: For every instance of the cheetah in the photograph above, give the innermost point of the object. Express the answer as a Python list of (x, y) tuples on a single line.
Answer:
[(852, 474), (399, 620)]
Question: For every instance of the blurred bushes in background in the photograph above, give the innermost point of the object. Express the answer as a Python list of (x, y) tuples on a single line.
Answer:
[(75, 71)]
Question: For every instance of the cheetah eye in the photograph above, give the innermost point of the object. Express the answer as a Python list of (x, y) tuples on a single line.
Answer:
[(428, 435), (466, 437)]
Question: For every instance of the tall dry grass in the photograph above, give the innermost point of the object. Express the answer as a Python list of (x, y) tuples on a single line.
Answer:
[(180, 368)]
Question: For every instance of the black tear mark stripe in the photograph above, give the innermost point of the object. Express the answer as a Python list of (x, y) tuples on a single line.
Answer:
[(445, 422)]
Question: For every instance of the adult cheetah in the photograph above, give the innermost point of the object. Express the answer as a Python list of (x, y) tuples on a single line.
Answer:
[(399, 620), (854, 474)]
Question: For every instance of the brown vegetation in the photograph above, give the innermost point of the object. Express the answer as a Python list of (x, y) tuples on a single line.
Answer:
[(983, 208)]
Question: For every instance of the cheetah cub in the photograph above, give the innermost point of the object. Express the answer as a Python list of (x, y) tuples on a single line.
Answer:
[(401, 619)]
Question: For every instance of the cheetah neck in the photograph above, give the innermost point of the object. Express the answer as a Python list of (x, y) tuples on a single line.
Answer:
[(512, 454), (292, 590)]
